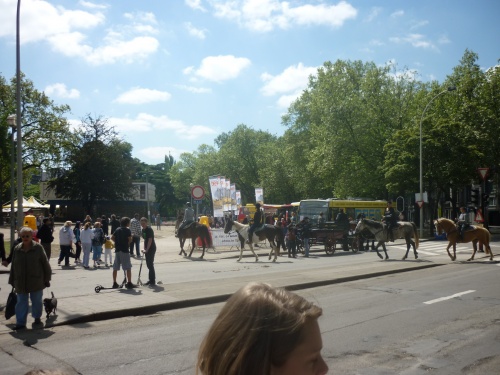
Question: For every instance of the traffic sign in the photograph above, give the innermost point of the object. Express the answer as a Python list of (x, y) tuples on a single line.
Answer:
[(420, 204), (483, 172), (479, 216), (197, 192), (197, 201)]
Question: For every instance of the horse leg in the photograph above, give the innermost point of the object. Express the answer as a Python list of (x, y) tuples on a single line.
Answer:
[(488, 248), (193, 244), (181, 243), (407, 247), (385, 250), (414, 248), (376, 249), (274, 249), (448, 250), (474, 247), (253, 252)]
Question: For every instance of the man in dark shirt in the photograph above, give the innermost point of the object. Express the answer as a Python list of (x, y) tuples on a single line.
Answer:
[(46, 237), (122, 238), (149, 251), (115, 224)]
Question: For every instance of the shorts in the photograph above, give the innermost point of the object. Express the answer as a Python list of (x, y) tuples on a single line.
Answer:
[(122, 259)]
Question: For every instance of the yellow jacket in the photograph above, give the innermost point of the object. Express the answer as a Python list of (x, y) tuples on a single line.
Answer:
[(109, 244)]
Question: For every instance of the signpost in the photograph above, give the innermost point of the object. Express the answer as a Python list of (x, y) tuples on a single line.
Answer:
[(484, 172), (197, 193)]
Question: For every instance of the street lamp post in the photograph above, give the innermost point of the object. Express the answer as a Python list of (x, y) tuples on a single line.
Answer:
[(147, 197), (19, 122), (11, 121), (451, 88)]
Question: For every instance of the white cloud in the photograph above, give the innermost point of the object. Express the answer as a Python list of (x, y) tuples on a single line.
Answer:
[(145, 122), (88, 4), (443, 39), (398, 13), (374, 12), (61, 91), (220, 68), (195, 4), (416, 40), (139, 95), (64, 30), (193, 31), (289, 84), (265, 15), (195, 90), (419, 24)]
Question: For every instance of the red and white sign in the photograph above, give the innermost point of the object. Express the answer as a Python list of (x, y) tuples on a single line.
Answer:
[(420, 204), (479, 217), (197, 192), (483, 172)]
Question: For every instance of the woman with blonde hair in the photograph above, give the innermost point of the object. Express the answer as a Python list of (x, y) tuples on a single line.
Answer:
[(263, 330)]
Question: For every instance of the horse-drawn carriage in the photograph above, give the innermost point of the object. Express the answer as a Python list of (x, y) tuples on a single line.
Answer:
[(331, 234)]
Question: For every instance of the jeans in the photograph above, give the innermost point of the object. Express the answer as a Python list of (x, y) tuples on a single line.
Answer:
[(306, 246), (150, 258), (96, 252), (292, 248), (137, 241), (86, 247), (23, 305)]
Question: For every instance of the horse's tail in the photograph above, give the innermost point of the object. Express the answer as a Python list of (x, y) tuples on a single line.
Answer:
[(281, 239), (487, 249), (415, 234), (208, 237)]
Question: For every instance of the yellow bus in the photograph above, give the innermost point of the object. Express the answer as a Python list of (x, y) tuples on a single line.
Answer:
[(311, 208)]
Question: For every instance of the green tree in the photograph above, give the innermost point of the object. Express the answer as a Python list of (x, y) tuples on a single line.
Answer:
[(99, 166)]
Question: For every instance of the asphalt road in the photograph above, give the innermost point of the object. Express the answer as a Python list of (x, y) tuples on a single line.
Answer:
[(444, 320)]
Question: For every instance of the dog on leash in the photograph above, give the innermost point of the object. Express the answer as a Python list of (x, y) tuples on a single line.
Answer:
[(50, 305)]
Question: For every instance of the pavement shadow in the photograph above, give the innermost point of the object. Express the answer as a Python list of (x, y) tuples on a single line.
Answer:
[(30, 337)]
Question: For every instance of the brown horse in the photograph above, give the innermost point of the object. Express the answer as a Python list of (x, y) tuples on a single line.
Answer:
[(193, 231), (477, 234)]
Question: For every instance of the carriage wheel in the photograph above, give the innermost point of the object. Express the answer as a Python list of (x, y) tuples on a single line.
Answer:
[(330, 245), (354, 243)]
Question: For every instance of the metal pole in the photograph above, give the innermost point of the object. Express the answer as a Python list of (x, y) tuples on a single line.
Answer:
[(147, 197), (19, 123), (451, 88), (12, 177)]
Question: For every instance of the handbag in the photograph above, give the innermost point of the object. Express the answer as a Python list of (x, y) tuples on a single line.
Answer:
[(10, 307)]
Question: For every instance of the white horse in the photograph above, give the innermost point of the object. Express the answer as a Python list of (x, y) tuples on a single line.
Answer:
[(268, 232)]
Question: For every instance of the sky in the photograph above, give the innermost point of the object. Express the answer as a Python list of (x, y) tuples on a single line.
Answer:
[(171, 75)]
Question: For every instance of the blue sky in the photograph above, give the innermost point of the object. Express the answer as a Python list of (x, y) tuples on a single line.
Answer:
[(171, 75)]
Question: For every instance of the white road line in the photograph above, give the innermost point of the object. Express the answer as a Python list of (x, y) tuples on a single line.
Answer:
[(449, 297)]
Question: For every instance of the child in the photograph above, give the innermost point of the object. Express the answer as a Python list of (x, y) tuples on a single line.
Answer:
[(108, 245)]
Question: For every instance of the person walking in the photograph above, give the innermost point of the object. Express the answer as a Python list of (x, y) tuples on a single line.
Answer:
[(148, 238), (66, 237), (105, 225), (30, 274), (158, 221), (115, 223), (135, 229), (305, 227), (97, 241), (86, 235), (46, 237), (122, 238), (78, 242), (108, 246)]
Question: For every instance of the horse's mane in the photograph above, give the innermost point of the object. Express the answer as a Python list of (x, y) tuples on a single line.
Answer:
[(372, 223), (238, 225)]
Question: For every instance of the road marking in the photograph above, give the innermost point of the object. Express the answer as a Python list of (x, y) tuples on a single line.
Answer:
[(449, 297)]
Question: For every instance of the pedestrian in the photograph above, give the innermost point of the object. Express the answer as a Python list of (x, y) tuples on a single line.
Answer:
[(135, 229), (158, 221), (105, 225), (97, 241), (2, 249), (292, 241), (122, 238), (77, 241), (46, 237), (263, 330), (148, 238), (86, 235), (30, 274), (87, 219), (305, 227), (321, 220), (66, 237), (108, 246), (115, 223)]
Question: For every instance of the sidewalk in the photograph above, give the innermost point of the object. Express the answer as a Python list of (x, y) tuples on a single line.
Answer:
[(78, 302)]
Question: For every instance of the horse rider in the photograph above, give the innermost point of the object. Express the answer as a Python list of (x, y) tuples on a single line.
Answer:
[(342, 220), (462, 222), (321, 220), (188, 217), (390, 219), (257, 222)]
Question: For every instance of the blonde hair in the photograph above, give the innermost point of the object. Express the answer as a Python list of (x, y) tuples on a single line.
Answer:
[(87, 225), (258, 328)]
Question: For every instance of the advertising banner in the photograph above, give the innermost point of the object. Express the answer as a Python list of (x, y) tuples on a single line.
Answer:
[(259, 195), (216, 191)]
